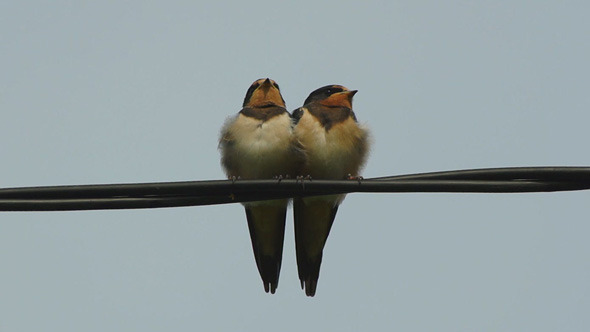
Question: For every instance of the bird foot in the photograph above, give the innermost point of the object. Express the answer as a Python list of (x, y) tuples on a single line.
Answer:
[(233, 178), (357, 178), (302, 179), (281, 177)]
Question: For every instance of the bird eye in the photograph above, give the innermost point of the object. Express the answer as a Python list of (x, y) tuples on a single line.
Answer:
[(329, 92)]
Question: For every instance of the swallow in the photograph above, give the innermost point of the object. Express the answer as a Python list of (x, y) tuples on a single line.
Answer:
[(336, 147), (258, 143)]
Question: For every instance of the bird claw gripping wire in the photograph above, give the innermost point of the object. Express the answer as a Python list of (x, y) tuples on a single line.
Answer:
[(233, 180), (302, 179), (357, 178), (281, 177)]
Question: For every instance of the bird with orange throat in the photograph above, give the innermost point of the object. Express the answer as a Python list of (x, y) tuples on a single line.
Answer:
[(258, 143), (336, 147)]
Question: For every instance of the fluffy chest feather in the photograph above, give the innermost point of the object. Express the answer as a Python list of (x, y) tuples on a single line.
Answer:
[(255, 136), (253, 148), (333, 153)]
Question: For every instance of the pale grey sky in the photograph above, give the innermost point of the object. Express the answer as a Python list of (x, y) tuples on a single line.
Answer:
[(136, 91)]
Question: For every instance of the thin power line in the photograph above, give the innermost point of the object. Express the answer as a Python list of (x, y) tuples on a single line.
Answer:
[(192, 193)]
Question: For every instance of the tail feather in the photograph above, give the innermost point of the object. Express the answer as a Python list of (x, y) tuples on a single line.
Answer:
[(313, 221), (267, 231)]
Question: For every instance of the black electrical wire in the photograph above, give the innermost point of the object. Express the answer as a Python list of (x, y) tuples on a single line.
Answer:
[(192, 193)]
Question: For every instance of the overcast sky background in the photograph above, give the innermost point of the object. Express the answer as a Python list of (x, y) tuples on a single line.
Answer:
[(136, 91)]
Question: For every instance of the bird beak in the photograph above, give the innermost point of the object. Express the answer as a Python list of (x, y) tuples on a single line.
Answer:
[(343, 98), (350, 94), (267, 84)]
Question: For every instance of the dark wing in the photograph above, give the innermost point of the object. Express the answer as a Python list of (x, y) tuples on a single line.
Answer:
[(313, 221), (267, 231)]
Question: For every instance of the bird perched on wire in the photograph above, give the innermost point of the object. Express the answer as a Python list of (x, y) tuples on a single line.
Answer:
[(336, 147), (258, 143)]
